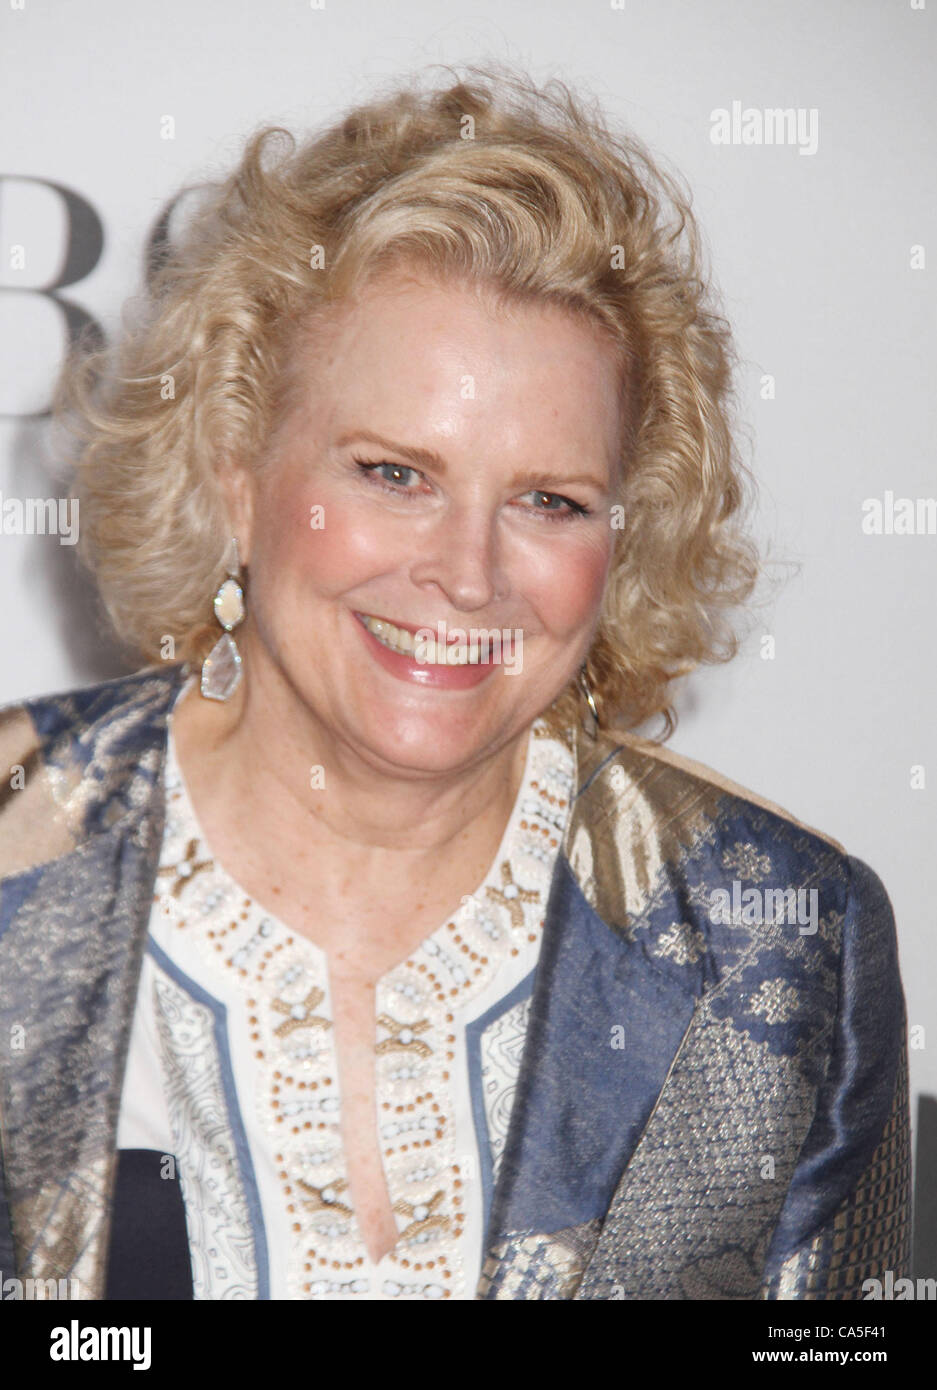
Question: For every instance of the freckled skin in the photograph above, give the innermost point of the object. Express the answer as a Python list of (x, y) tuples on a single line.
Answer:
[(418, 782)]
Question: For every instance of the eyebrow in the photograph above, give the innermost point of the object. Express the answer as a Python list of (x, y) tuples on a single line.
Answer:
[(428, 458)]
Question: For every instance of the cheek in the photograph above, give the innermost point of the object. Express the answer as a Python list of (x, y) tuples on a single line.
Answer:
[(564, 582), (309, 537)]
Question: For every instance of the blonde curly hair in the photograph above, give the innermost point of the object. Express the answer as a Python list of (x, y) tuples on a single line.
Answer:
[(523, 187)]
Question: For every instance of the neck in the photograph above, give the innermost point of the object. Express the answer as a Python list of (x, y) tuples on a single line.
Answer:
[(252, 759)]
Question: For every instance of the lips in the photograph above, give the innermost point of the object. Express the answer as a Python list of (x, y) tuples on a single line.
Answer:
[(455, 666), (429, 650)]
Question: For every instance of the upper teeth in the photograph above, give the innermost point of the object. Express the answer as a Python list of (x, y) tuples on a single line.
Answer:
[(427, 651)]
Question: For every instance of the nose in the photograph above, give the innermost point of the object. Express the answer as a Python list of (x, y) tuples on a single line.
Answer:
[(463, 557)]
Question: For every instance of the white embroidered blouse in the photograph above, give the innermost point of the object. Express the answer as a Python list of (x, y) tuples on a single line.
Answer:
[(232, 1067)]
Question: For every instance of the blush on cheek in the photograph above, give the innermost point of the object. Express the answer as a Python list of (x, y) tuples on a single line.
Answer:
[(332, 545), (566, 586)]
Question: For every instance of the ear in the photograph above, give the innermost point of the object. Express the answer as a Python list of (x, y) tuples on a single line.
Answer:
[(237, 488)]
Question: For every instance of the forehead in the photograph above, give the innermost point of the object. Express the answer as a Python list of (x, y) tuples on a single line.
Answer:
[(410, 343)]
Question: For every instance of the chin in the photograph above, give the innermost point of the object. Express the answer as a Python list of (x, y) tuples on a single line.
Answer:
[(428, 740)]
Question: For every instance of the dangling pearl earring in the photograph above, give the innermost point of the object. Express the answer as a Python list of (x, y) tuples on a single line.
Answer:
[(221, 669)]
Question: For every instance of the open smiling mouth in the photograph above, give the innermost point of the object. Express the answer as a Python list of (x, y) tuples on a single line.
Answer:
[(476, 647)]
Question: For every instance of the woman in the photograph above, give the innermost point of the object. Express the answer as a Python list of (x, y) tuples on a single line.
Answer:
[(353, 948)]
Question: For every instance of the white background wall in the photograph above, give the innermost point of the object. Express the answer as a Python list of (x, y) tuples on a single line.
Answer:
[(813, 254)]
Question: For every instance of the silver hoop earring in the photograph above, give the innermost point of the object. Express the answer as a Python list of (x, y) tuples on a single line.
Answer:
[(221, 669), (591, 723)]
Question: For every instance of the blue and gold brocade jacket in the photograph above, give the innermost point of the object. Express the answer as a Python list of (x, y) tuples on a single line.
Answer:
[(709, 1106)]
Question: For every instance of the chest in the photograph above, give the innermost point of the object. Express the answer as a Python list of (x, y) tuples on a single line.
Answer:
[(354, 1029)]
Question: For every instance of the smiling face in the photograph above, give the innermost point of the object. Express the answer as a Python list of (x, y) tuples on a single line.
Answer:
[(442, 461)]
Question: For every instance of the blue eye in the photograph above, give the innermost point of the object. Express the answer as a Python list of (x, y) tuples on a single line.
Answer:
[(572, 508), (393, 485)]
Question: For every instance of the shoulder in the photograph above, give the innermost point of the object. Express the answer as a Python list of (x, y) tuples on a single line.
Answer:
[(74, 761), (44, 720), (650, 828), (672, 780)]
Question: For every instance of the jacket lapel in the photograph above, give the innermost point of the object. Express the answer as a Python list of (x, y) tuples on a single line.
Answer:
[(611, 1006), (74, 909)]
